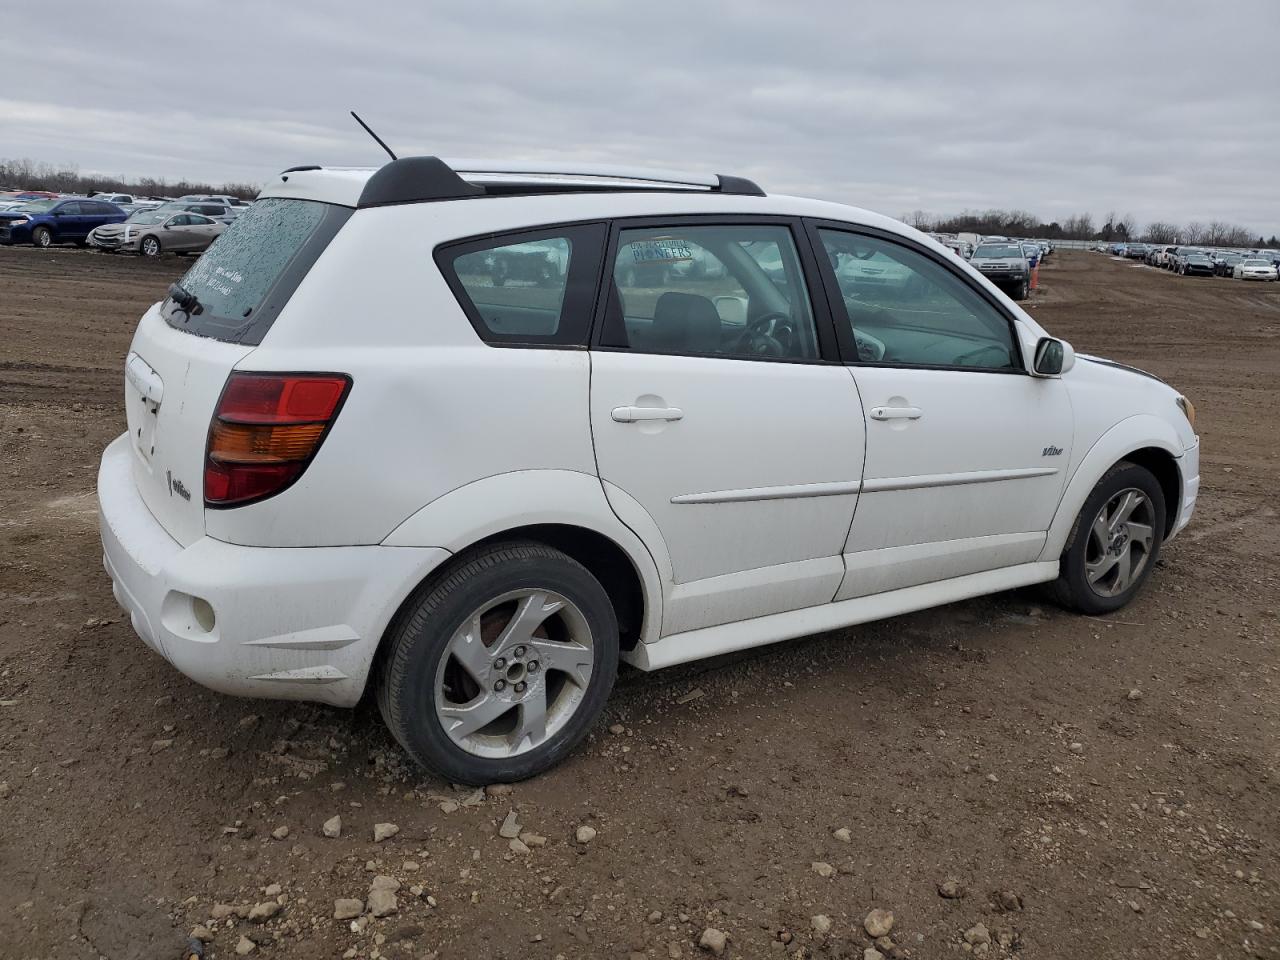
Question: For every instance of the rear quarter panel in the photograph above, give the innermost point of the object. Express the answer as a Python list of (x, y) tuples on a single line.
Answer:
[(431, 409)]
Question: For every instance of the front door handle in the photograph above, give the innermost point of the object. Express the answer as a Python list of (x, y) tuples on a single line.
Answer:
[(896, 413), (636, 414)]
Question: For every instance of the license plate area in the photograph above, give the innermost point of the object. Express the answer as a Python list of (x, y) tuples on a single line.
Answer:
[(145, 392)]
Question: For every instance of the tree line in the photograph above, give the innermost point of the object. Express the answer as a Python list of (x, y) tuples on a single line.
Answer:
[(1115, 227), (24, 174)]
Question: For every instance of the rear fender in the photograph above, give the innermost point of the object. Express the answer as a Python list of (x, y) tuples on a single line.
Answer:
[(488, 507)]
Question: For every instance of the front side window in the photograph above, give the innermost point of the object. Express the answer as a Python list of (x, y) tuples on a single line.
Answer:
[(728, 291), (531, 288), (904, 308)]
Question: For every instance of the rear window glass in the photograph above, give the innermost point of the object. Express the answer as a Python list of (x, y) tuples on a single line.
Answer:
[(527, 288), (244, 280)]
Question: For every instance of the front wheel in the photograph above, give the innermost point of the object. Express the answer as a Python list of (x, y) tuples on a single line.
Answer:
[(1021, 291), (496, 671), (150, 247), (42, 237), (1115, 542)]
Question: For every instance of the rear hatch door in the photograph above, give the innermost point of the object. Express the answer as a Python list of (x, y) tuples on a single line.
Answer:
[(186, 347), (172, 384)]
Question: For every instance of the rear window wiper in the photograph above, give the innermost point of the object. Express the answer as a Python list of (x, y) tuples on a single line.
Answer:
[(187, 301)]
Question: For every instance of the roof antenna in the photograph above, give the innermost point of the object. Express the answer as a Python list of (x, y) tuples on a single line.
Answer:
[(369, 130)]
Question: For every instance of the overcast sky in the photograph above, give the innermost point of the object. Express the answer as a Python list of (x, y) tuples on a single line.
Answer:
[(1166, 110)]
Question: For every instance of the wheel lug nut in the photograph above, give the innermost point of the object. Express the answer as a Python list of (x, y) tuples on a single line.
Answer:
[(532, 666), (519, 651), (520, 687), (500, 685), (499, 663)]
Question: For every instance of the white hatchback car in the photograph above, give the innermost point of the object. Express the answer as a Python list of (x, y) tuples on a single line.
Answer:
[(468, 435)]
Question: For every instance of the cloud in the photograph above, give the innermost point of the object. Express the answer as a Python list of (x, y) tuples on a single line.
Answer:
[(934, 105)]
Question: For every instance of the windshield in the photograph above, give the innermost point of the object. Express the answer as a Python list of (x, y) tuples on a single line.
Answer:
[(1257, 263), (148, 216), (268, 249), (997, 250)]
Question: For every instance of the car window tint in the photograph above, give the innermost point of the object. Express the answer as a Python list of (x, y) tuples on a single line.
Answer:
[(69, 209), (530, 288), (726, 291), (902, 307), (181, 221)]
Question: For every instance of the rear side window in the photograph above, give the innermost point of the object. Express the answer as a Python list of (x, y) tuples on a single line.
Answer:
[(530, 288), (244, 280)]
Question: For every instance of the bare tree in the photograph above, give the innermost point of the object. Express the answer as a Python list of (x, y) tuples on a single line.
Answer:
[(1193, 233), (25, 174), (1158, 231)]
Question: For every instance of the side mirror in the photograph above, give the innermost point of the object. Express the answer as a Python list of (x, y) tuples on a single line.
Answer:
[(1053, 357), (732, 310)]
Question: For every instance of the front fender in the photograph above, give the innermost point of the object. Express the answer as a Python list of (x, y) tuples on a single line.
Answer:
[(506, 501), (1134, 433)]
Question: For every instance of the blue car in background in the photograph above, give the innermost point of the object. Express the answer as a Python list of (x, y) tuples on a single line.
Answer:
[(46, 222), (1031, 251)]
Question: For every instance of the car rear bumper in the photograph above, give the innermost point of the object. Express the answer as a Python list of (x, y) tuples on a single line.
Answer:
[(281, 623)]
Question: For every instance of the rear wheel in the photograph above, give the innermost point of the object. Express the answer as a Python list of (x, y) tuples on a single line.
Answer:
[(42, 237), (150, 247), (498, 670), (1115, 542)]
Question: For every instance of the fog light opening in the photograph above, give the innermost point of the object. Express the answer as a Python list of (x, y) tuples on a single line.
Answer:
[(202, 613)]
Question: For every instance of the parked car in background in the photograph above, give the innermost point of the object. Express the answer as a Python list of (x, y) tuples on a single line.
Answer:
[(1004, 265), (215, 209), (1031, 251), (1254, 269), (1135, 251), (1196, 264), (1179, 255), (1224, 266), (153, 232), (48, 222)]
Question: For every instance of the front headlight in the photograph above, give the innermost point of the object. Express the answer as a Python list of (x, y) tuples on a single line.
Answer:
[(1188, 410)]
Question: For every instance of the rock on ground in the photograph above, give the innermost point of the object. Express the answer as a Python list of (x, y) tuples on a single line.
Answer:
[(878, 923), (346, 908), (384, 831), (713, 941)]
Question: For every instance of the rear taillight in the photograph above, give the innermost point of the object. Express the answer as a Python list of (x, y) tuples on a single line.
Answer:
[(265, 430)]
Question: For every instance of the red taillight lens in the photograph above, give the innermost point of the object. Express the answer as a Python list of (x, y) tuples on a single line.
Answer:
[(265, 431)]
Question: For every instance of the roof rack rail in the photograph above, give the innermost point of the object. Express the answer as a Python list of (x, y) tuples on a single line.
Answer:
[(423, 179)]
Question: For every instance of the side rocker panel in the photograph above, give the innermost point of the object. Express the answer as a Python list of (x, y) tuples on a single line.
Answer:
[(525, 498)]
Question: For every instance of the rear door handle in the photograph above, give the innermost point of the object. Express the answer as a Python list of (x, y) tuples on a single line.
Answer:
[(896, 413), (635, 414)]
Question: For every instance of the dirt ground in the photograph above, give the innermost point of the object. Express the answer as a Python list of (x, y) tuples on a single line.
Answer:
[(1098, 787)]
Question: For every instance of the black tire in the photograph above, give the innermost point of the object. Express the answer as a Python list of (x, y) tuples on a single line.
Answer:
[(149, 246), (42, 237), (421, 634), (1072, 588), (1021, 291)]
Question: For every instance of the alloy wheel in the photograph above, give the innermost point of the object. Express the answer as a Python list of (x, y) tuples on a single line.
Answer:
[(1121, 539), (514, 673)]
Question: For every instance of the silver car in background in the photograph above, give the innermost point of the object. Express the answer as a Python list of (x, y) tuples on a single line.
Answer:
[(153, 232)]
